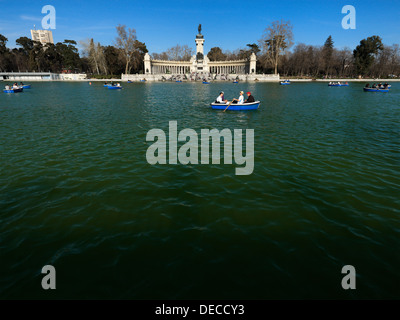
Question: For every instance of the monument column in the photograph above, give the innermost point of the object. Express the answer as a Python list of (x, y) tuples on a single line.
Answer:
[(253, 60), (147, 64)]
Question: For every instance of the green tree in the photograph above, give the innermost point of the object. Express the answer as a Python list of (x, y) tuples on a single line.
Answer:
[(216, 54), (4, 53), (327, 52), (364, 54), (113, 62), (254, 48), (138, 56)]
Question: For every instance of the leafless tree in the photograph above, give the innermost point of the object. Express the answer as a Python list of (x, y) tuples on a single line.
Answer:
[(125, 41), (275, 40)]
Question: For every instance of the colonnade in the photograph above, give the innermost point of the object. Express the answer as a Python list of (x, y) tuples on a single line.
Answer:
[(174, 69), (238, 69), (157, 69)]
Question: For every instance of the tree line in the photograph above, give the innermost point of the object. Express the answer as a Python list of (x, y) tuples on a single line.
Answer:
[(126, 56), (371, 58), (275, 54)]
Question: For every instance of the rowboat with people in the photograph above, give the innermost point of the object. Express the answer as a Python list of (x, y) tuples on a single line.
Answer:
[(15, 90), (377, 87), (235, 106), (285, 82), (338, 84), (375, 90)]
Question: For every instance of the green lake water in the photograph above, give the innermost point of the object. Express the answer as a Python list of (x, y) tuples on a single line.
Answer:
[(76, 192)]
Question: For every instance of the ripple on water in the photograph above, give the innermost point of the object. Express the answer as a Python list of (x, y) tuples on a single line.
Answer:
[(76, 191)]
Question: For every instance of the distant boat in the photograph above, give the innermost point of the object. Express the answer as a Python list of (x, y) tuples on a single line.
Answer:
[(285, 83), (108, 85), (13, 90), (338, 84), (144, 80), (375, 90), (235, 81), (114, 87), (178, 81), (129, 81), (206, 82), (236, 107)]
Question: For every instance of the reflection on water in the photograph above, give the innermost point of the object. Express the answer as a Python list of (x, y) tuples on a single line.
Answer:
[(77, 192)]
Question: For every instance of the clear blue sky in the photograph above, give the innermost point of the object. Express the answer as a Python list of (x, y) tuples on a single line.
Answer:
[(229, 24)]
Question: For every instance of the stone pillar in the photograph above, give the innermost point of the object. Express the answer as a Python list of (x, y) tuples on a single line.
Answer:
[(253, 61), (147, 64)]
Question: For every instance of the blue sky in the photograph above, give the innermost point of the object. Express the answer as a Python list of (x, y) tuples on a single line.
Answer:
[(227, 24)]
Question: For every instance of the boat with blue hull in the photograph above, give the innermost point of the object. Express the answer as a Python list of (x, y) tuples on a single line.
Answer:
[(285, 83), (375, 90), (114, 87), (26, 86), (338, 85), (13, 90), (235, 106), (206, 82)]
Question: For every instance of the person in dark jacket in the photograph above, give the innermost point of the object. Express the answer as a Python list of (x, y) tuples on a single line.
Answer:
[(250, 98)]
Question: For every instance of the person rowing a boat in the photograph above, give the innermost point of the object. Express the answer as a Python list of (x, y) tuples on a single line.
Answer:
[(240, 100), (220, 98), (250, 98)]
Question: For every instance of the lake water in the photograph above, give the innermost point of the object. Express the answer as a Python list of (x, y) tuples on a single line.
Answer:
[(76, 192)]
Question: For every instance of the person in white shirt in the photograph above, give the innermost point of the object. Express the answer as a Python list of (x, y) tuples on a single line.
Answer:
[(220, 98), (241, 98)]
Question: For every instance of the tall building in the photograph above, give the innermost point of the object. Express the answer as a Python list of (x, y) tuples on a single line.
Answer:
[(43, 36)]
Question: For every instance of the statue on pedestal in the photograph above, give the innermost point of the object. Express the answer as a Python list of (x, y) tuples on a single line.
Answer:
[(199, 28)]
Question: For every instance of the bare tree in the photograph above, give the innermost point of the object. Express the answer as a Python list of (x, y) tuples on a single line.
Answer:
[(275, 40), (125, 41), (175, 53), (101, 58)]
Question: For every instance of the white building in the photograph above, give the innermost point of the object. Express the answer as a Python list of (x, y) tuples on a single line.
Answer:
[(43, 36), (199, 63)]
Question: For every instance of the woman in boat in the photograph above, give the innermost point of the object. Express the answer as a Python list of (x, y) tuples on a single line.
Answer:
[(250, 98)]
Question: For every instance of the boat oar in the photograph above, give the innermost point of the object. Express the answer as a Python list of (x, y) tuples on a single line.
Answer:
[(228, 105)]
